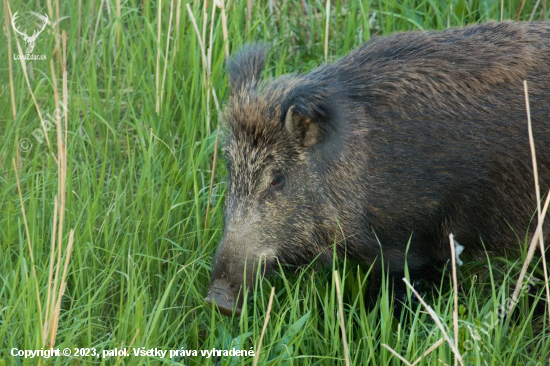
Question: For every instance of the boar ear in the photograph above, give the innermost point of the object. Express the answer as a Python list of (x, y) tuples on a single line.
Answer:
[(246, 66), (312, 114), (303, 128)]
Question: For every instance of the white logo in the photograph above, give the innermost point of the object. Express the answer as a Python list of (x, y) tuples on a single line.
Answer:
[(30, 40)]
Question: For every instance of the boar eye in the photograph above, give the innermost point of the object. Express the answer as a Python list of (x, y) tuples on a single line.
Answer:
[(277, 182)]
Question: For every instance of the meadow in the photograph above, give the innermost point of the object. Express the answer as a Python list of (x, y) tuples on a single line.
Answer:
[(112, 193)]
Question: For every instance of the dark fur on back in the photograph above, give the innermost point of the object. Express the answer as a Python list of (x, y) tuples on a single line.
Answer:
[(411, 136)]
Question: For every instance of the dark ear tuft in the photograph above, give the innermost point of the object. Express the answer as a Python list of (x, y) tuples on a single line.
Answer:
[(246, 66)]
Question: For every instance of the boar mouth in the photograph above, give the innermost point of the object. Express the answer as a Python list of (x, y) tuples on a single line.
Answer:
[(224, 298)]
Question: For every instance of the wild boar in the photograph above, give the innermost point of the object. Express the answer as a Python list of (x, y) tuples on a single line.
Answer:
[(408, 138)]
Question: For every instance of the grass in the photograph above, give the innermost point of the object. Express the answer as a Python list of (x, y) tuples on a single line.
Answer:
[(136, 188)]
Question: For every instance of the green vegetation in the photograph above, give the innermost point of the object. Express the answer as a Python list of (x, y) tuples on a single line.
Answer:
[(138, 191)]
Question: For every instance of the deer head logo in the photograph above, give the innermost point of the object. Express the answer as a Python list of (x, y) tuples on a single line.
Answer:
[(30, 40)]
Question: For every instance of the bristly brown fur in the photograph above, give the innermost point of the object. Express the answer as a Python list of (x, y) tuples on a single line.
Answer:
[(409, 137)]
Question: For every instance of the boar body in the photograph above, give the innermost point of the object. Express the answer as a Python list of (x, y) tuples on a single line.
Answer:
[(406, 139)]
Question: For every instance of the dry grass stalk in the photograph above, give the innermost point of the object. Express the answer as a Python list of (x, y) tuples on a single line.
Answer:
[(157, 77), (167, 48), (119, 360), (178, 19), (429, 350), (257, 353), (51, 294), (538, 234), (248, 17), (204, 20), (208, 85), (164, 143), (221, 5), (65, 85), (437, 322), (62, 286), (209, 61), (212, 179), (224, 26), (201, 45), (396, 354), (455, 293), (50, 8), (530, 253), (55, 29), (79, 27), (212, 19), (50, 322), (97, 22), (10, 66), (57, 23), (341, 311), (92, 6), (326, 30), (50, 273), (119, 22), (54, 83), (519, 10), (534, 10), (58, 286)]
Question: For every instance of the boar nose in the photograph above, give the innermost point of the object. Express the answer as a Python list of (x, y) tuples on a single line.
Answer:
[(226, 300)]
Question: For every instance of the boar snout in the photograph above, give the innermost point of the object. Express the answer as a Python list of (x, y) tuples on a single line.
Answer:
[(243, 253), (225, 297), (233, 274), (226, 283)]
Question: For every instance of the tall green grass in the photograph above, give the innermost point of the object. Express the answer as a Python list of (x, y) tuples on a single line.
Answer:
[(138, 186)]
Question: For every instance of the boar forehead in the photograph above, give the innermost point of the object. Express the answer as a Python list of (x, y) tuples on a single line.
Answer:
[(256, 145)]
